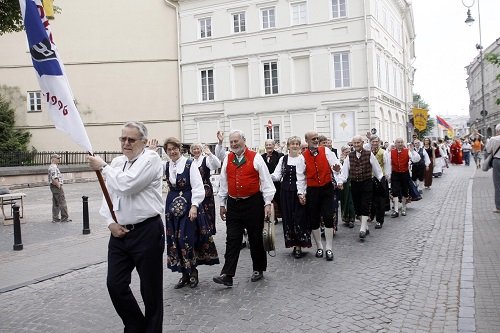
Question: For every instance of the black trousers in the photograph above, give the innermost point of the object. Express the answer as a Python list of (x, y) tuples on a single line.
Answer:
[(399, 184), (379, 204), (142, 248), (244, 214), (362, 194), (319, 203)]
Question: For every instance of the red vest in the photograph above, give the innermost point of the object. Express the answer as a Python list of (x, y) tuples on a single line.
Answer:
[(400, 160), (243, 180), (318, 171)]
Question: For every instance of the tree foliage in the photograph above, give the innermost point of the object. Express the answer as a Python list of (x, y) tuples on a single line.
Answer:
[(10, 16), (11, 138), (419, 102), (495, 60)]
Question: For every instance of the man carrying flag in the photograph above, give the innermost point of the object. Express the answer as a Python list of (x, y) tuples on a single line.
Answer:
[(138, 240)]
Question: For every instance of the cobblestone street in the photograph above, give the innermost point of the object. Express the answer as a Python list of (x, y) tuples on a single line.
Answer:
[(410, 276)]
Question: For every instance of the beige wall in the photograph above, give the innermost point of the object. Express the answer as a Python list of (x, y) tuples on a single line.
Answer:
[(120, 57)]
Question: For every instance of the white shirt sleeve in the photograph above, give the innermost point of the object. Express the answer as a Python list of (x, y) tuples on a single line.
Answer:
[(220, 152), (266, 183), (376, 169), (427, 160), (414, 156), (276, 175), (344, 171), (222, 193), (213, 163), (197, 188), (301, 175)]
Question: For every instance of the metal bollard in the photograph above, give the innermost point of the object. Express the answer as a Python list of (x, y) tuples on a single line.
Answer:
[(86, 228), (18, 243)]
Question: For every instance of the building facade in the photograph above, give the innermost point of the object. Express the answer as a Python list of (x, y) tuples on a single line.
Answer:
[(277, 68), (120, 57), (484, 124)]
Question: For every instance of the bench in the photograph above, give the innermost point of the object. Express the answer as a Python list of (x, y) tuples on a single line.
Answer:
[(10, 199)]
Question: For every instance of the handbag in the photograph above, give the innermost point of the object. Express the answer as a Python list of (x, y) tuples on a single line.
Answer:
[(488, 161), (268, 235)]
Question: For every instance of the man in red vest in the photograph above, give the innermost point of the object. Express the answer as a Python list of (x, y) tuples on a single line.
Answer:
[(314, 176), (246, 191), (397, 173), (359, 167)]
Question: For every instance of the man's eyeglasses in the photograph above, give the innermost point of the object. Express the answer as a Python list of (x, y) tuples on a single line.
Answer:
[(315, 138), (124, 139)]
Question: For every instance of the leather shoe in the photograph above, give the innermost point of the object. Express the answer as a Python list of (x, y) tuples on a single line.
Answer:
[(362, 234), (224, 279), (367, 232), (256, 276), (297, 253), (319, 253), (378, 225), (351, 224), (184, 280), (395, 214), (329, 255)]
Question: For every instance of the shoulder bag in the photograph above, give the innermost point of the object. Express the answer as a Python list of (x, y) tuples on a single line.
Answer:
[(488, 161)]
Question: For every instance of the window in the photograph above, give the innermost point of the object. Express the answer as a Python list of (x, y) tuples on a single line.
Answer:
[(207, 85), (205, 27), (273, 133), (299, 13), (268, 18), (34, 101), (271, 78), (239, 22), (338, 8), (341, 70)]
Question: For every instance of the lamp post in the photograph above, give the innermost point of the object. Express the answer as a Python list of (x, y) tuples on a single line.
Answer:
[(469, 21)]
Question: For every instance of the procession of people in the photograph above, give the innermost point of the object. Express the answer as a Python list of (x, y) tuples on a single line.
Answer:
[(305, 184)]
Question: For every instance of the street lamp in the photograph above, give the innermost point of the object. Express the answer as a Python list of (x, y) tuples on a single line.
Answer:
[(469, 20)]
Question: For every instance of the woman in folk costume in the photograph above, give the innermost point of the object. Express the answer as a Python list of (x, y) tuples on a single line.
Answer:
[(456, 152), (296, 231), (437, 170), (206, 162), (432, 157), (189, 237), (346, 203)]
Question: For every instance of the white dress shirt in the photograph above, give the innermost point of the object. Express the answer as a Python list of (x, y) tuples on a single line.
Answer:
[(134, 187), (197, 188), (292, 160), (301, 170), (213, 162), (414, 157), (266, 183), (344, 171)]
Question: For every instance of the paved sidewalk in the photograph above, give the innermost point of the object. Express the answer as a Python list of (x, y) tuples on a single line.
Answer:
[(410, 276), (486, 254)]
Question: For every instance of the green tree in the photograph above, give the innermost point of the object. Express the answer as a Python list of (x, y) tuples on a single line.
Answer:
[(495, 60), (419, 102), (11, 138), (10, 16)]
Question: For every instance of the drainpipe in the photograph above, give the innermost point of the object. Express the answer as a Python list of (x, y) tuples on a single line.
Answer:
[(179, 80), (367, 69)]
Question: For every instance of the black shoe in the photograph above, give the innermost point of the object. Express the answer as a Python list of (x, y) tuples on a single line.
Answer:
[(184, 280), (297, 253), (276, 221), (256, 276), (67, 220), (319, 253), (394, 214), (351, 224), (378, 225), (193, 279), (367, 232), (362, 234), (224, 279), (329, 255)]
